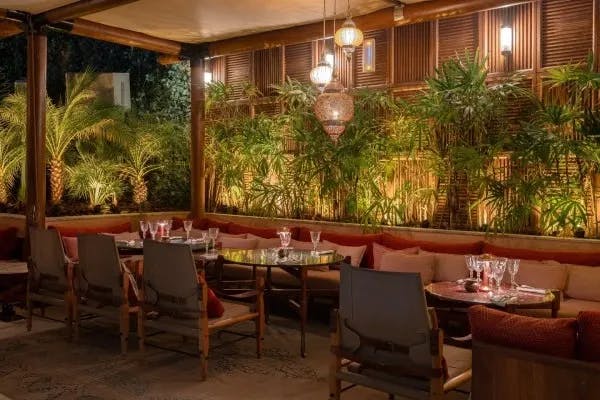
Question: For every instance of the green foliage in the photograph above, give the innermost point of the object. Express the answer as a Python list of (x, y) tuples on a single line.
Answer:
[(96, 181)]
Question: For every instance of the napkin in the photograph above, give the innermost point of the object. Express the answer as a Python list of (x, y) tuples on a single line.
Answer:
[(529, 289)]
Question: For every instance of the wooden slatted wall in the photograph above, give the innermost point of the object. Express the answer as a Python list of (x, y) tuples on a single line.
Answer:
[(379, 77), (456, 35), (567, 31), (298, 61), (237, 71), (413, 60), (267, 69)]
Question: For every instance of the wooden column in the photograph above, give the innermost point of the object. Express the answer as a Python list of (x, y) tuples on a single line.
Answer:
[(198, 178), (36, 128)]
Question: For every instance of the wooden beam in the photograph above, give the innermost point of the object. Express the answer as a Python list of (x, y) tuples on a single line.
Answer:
[(35, 170), (77, 10), (382, 19), (9, 28), (197, 180)]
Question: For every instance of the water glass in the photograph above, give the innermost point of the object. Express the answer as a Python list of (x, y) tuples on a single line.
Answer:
[(143, 228), (513, 268), (153, 225), (187, 226), (286, 238), (315, 236), (213, 234)]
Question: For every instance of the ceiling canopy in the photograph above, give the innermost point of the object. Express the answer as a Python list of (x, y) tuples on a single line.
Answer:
[(197, 21)]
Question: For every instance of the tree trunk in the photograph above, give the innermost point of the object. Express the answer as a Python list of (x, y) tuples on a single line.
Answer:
[(57, 185), (140, 191), (3, 192)]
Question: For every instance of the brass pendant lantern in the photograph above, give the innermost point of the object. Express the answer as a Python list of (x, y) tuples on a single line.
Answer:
[(321, 75), (349, 37), (334, 108)]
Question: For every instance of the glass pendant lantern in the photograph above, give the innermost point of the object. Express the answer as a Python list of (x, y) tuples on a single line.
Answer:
[(349, 37), (321, 75)]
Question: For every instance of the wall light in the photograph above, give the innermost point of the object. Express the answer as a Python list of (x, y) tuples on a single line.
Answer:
[(506, 39), (368, 59), (329, 59)]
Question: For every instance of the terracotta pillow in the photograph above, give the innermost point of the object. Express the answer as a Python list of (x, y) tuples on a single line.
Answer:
[(356, 253), (448, 267), (71, 249), (379, 251), (542, 274), (238, 243), (266, 233), (205, 223), (551, 336), (346, 239), (583, 282), (263, 243), (74, 231), (214, 307), (567, 257), (399, 243), (8, 243), (399, 262), (589, 335)]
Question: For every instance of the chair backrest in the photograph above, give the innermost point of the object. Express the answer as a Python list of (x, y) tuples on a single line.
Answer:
[(384, 316), (170, 277), (100, 267), (47, 256)]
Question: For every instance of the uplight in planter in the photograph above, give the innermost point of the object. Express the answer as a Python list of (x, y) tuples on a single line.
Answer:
[(506, 39)]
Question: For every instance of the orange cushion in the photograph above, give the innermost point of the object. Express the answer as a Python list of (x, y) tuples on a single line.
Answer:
[(8, 243), (72, 231), (589, 335), (399, 243), (551, 336), (71, 249), (346, 239), (566, 257)]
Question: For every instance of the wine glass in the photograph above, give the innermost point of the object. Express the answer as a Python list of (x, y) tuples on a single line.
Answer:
[(513, 268), (477, 267), (143, 228), (498, 268), (161, 223), (315, 236), (470, 264), (203, 236), (187, 225), (153, 229), (286, 238), (168, 226), (213, 234)]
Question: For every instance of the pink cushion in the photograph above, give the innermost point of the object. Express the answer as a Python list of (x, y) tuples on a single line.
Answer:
[(583, 282), (263, 243), (231, 235), (542, 274), (448, 267), (379, 251), (399, 262), (355, 253), (238, 243), (71, 249)]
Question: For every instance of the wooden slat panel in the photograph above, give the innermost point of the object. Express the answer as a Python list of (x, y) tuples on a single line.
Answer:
[(520, 18), (237, 71), (456, 35), (267, 69), (269, 108), (217, 66), (343, 66), (412, 55), (380, 76), (566, 31), (298, 61)]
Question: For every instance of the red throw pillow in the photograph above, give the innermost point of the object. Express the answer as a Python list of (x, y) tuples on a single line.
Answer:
[(8, 243), (347, 239), (565, 257), (205, 223), (214, 307), (72, 231), (551, 336), (399, 243), (589, 335)]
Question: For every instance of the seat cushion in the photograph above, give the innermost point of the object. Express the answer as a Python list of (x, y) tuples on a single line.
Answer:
[(572, 307), (567, 257), (589, 335), (356, 253), (555, 337), (421, 263), (8, 243), (397, 242), (542, 274), (583, 282), (379, 250)]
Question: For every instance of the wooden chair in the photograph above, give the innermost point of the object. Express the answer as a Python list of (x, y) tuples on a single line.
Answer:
[(176, 296), (104, 285), (384, 337), (50, 277)]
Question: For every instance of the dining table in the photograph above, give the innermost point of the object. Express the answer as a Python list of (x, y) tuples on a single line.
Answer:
[(296, 263)]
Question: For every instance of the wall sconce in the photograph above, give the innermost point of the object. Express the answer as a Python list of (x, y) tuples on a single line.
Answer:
[(368, 55), (207, 78), (506, 39), (329, 59)]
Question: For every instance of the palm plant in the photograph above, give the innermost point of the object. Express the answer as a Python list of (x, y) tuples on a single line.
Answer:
[(12, 154), (140, 160), (95, 180)]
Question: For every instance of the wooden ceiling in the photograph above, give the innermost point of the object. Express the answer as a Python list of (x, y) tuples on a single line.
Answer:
[(197, 21)]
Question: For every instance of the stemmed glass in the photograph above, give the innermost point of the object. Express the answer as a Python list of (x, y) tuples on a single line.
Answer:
[(168, 226), (477, 267), (203, 235), (153, 229), (498, 268), (213, 234), (470, 264), (162, 223), (315, 236), (143, 228), (513, 268), (187, 225), (286, 237)]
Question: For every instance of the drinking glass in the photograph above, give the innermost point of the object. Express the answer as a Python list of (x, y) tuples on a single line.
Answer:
[(315, 236), (286, 238), (213, 234), (143, 228), (470, 264), (477, 267), (168, 226), (203, 236), (187, 225), (161, 223), (153, 229), (513, 268), (498, 268)]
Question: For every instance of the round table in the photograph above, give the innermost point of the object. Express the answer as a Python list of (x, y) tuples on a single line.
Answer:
[(136, 247), (455, 294), (297, 265)]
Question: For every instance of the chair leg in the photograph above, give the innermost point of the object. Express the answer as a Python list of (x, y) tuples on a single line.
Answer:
[(141, 332), (259, 322), (29, 313), (124, 325), (69, 314), (204, 354), (76, 317)]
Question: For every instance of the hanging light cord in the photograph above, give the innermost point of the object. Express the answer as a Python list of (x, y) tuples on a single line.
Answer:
[(348, 12), (334, 17), (324, 16)]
